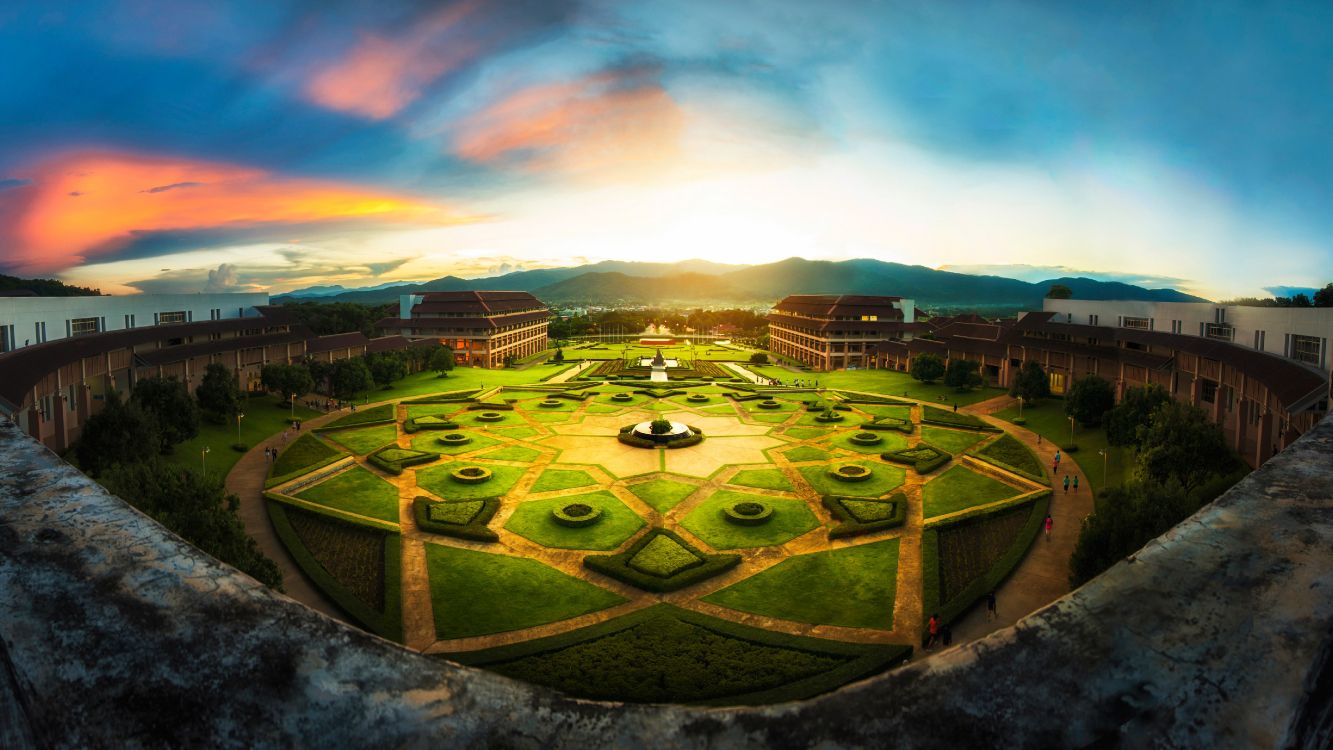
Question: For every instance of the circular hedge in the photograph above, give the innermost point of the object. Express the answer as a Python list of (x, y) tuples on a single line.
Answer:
[(697, 398), (455, 438), (865, 438), (490, 416), (575, 515), (829, 416), (621, 397), (849, 472), (769, 404), (550, 403), (748, 513), (471, 474)]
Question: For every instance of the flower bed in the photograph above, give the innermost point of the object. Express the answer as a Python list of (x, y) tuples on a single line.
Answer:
[(455, 438), (549, 403), (471, 474), (850, 473), (748, 513), (576, 515), (866, 438)]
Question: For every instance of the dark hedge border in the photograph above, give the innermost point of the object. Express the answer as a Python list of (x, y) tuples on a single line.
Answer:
[(982, 454), (396, 467), (922, 466), (937, 416), (562, 516), (386, 624), (1000, 570), (848, 525), (448, 397), (411, 426), (617, 566), (868, 659), (475, 530), (889, 423), (338, 455), (864, 398), (374, 415)]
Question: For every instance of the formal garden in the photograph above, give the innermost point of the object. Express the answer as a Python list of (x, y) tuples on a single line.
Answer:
[(705, 540)]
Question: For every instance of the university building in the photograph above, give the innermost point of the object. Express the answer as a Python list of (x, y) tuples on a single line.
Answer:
[(484, 328), (838, 331), (1262, 374)]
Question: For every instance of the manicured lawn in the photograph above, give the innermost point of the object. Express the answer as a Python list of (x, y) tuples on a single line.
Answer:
[(460, 379), (768, 479), (806, 433), (263, 419), (806, 453), (433, 410), (1009, 451), (533, 520), (635, 398), (438, 480), (595, 408), (512, 453), (531, 404), (889, 440), (562, 479), (477, 593), (853, 587), (951, 441), (1048, 420), (362, 416), (769, 418), (429, 440), (663, 494), (885, 410), (783, 405), (791, 518), (363, 440), (357, 491), (304, 451), (884, 477), (961, 488), (883, 382), (547, 417), (469, 419), (518, 433)]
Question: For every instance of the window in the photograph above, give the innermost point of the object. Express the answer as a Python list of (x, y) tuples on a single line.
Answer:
[(1259, 340), (1092, 320), (1219, 331), (870, 317), (1142, 324), (177, 316), (1177, 326), (81, 326), (129, 320), (7, 341), (215, 314), (1208, 392), (1307, 349), (39, 332)]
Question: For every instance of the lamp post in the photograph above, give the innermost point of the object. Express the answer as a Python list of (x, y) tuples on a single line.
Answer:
[(1103, 453), (1071, 430), (239, 416), (1020, 407), (203, 460)]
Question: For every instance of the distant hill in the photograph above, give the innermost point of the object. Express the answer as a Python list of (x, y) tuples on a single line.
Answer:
[(620, 282), (11, 286)]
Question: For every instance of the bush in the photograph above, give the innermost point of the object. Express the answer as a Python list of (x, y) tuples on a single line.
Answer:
[(659, 426), (865, 438), (1089, 399), (1019, 421), (859, 515), (471, 474), (697, 398), (550, 403), (850, 472), (829, 416), (748, 513), (457, 518), (935, 415), (927, 368), (240, 447), (671, 555), (759, 358), (925, 458), (454, 438), (769, 404), (393, 459), (1010, 454), (434, 422), (576, 515)]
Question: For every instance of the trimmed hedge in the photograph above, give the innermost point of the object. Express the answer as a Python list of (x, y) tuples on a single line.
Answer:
[(576, 515), (850, 472), (867, 398), (373, 415), (454, 438), (307, 453), (748, 513), (865, 438), (889, 423), (393, 459), (489, 406), (854, 520), (432, 422), (1009, 453), (471, 474), (619, 566), (473, 529), (935, 415), (448, 397), (925, 457)]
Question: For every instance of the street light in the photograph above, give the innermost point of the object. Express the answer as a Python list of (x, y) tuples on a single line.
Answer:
[(1071, 430), (239, 416), (1020, 407), (203, 460), (1103, 453)]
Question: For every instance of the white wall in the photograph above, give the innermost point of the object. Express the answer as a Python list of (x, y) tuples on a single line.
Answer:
[(24, 313)]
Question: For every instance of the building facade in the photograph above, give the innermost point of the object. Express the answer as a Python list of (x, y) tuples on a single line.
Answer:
[(484, 328), (838, 331)]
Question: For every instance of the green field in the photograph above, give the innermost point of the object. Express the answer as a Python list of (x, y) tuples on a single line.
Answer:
[(533, 520), (961, 488), (357, 491), (791, 518), (1048, 420), (264, 418), (663, 494), (883, 479)]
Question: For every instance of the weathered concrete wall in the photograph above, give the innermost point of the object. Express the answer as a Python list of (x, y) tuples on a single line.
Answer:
[(115, 633)]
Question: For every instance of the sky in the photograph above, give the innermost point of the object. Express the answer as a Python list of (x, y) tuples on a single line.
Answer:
[(197, 145)]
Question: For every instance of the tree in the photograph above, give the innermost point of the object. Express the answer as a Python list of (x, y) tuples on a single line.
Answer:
[(1134, 410), (121, 433), (197, 508), (1324, 297), (386, 368), (962, 374), (1031, 383), (1300, 300), (1059, 291), (349, 377), (1180, 444), (169, 403), (927, 368), (319, 373), (1089, 399), (218, 394), (559, 356), (759, 358), (288, 381), (442, 360)]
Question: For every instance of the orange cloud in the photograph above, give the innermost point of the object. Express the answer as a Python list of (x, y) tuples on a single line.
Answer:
[(81, 205), (594, 124), (381, 75)]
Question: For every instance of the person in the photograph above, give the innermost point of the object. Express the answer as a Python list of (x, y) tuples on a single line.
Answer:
[(1049, 524), (955, 407), (1038, 438), (946, 636), (298, 425), (1066, 484), (1075, 484), (932, 630), (1057, 456), (990, 606)]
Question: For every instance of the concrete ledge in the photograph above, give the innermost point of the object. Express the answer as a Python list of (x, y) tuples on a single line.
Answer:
[(116, 633)]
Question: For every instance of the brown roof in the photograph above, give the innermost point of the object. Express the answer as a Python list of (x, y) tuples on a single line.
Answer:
[(482, 303), (181, 353), (830, 305), (336, 341), (859, 326), (462, 323), (386, 343)]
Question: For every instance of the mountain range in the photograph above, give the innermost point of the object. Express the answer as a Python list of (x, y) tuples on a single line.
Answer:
[(704, 282)]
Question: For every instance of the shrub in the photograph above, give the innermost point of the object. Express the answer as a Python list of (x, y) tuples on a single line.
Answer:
[(621, 397), (1089, 399), (672, 555), (240, 447), (1019, 420), (1010, 454), (829, 416), (659, 426), (434, 422), (769, 404), (550, 403), (850, 472), (889, 423), (627, 437), (759, 358), (697, 398), (471, 474), (576, 515), (490, 406), (748, 513), (865, 438), (490, 416), (925, 458), (455, 438), (393, 459), (935, 415), (859, 515), (457, 518)]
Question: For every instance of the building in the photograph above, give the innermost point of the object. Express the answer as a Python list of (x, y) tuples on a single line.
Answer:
[(1263, 399), (51, 388), (484, 328), (29, 320), (838, 331)]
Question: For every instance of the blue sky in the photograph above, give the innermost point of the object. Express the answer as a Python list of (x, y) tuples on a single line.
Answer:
[(187, 146)]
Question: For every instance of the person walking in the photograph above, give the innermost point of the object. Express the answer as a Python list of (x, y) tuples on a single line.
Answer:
[(1066, 484), (1075, 484), (1049, 524), (1057, 456), (1038, 438), (990, 606), (932, 631)]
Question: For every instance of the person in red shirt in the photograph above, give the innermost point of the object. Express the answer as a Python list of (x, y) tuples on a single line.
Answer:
[(933, 628)]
